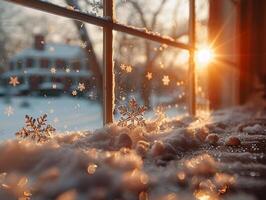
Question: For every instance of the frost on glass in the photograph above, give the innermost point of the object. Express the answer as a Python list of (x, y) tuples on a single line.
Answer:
[(93, 7), (48, 69), (164, 17), (153, 74)]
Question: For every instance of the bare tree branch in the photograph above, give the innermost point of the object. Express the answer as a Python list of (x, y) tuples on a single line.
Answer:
[(156, 13), (141, 13)]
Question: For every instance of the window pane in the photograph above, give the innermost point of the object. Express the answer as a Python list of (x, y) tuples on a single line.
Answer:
[(46, 68), (167, 18), (204, 55), (93, 7), (153, 74)]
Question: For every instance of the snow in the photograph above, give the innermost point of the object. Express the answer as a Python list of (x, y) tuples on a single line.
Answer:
[(55, 50), (45, 72), (254, 129), (169, 159), (62, 113)]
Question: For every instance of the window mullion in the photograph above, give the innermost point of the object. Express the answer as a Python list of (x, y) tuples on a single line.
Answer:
[(108, 67), (191, 71)]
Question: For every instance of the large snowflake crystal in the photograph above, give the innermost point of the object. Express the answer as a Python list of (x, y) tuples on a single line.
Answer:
[(132, 116), (36, 129)]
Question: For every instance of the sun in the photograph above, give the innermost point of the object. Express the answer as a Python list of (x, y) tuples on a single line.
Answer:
[(204, 56)]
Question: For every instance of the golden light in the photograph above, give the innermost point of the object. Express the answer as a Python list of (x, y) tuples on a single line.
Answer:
[(203, 56), (92, 168), (205, 195)]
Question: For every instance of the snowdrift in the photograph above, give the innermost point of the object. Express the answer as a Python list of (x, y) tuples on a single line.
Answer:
[(220, 156)]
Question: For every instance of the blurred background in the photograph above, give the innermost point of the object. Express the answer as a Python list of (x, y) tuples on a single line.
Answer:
[(53, 65)]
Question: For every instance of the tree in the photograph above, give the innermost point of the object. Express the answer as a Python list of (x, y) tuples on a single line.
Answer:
[(151, 23)]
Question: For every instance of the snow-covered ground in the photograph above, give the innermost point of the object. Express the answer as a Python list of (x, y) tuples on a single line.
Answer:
[(216, 157), (64, 113)]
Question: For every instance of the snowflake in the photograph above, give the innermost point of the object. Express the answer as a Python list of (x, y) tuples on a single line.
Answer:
[(53, 70), (93, 96), (123, 66), (132, 116), (67, 70), (126, 68), (36, 129), (149, 75), (81, 87), (83, 45), (9, 111), (74, 92), (14, 81), (166, 80)]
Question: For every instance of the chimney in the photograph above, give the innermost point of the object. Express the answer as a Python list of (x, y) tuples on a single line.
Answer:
[(39, 42)]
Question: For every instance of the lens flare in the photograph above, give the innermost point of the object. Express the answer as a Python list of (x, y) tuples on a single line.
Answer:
[(204, 56)]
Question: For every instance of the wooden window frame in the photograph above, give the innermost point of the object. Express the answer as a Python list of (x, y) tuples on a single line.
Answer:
[(109, 25)]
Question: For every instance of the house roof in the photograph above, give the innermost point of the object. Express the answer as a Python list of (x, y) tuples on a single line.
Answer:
[(46, 72), (63, 51)]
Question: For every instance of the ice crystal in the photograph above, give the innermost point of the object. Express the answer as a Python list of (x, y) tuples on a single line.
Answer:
[(149, 75), (126, 68), (81, 87), (74, 92), (9, 111), (166, 80), (53, 70), (14, 81), (67, 70), (132, 115), (36, 129)]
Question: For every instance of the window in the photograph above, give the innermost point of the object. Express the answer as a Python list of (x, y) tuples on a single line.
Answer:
[(68, 82), (19, 64), (11, 66), (35, 81), (52, 86), (76, 65), (60, 64), (44, 63), (153, 38), (29, 62)]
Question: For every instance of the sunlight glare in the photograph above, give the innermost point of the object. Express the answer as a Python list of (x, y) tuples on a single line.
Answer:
[(204, 56)]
